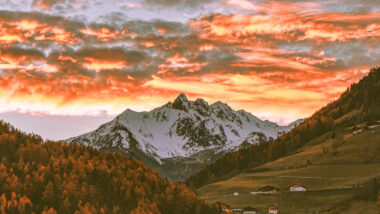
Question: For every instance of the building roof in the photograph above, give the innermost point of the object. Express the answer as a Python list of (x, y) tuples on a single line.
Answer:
[(297, 185), (221, 204), (373, 123), (249, 209), (268, 188), (273, 207)]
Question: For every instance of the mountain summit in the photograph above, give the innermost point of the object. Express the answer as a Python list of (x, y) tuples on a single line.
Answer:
[(182, 129)]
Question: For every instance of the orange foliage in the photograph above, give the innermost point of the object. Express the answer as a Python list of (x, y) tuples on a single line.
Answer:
[(54, 177)]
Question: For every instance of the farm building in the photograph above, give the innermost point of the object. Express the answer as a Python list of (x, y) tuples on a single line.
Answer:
[(237, 210), (269, 190), (356, 130), (273, 209), (225, 207), (373, 124), (249, 210), (297, 188)]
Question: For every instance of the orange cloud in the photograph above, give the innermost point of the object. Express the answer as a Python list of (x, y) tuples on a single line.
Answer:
[(267, 62), (98, 65), (252, 93), (148, 44), (104, 34), (46, 4), (297, 27), (207, 47), (177, 62), (21, 59), (29, 30), (161, 31)]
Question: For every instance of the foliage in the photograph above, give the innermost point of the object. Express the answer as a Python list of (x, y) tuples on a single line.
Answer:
[(53, 177), (363, 97)]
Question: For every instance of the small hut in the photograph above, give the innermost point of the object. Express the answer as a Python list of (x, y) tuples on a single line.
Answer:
[(273, 209), (297, 188), (269, 190), (223, 206)]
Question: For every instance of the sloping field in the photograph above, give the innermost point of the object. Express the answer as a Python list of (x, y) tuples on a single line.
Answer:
[(325, 166)]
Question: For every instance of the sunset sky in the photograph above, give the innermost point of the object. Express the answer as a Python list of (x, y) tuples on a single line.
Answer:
[(66, 66)]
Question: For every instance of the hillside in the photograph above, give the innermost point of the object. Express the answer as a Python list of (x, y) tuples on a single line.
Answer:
[(180, 137), (360, 103), (54, 177), (335, 168)]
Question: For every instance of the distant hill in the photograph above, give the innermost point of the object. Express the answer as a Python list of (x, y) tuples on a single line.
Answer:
[(339, 171), (54, 177), (360, 103), (180, 137)]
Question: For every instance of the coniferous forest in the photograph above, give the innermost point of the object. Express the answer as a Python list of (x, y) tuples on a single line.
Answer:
[(39, 176), (359, 103)]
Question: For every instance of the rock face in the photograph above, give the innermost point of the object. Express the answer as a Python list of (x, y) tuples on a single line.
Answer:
[(181, 131)]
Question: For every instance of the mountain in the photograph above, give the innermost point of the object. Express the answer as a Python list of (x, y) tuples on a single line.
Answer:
[(358, 104), (339, 171), (181, 131), (39, 176), (333, 156)]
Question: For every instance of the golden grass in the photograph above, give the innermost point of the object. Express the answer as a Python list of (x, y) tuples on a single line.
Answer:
[(316, 165)]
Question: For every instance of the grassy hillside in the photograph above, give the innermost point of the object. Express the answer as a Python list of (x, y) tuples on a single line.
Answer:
[(326, 165), (53, 177), (360, 103)]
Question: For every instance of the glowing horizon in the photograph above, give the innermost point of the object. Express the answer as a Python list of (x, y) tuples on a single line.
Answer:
[(279, 60)]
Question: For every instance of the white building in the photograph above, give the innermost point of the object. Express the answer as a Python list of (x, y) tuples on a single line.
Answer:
[(236, 210), (268, 190), (273, 209), (297, 188)]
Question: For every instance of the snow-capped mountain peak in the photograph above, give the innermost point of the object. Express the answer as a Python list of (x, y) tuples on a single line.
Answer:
[(181, 129)]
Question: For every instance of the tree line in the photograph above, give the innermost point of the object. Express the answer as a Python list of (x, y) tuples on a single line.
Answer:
[(38, 176), (362, 99)]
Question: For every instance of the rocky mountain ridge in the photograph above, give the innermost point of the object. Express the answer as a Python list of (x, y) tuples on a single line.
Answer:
[(181, 129)]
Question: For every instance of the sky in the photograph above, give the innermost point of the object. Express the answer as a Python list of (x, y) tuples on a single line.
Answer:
[(66, 66)]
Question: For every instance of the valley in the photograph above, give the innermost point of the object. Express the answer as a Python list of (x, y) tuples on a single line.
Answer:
[(328, 166)]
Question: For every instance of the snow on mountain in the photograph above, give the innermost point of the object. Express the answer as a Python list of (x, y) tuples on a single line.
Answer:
[(181, 129)]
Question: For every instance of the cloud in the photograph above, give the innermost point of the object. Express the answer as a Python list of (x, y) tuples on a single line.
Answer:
[(20, 54), (37, 29), (299, 57), (157, 27), (178, 3), (334, 27), (46, 4)]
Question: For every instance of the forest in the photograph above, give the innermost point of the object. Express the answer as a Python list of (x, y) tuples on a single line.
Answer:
[(38, 176), (359, 103)]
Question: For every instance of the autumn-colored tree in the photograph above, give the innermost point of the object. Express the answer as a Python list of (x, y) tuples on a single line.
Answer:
[(362, 97), (55, 177)]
